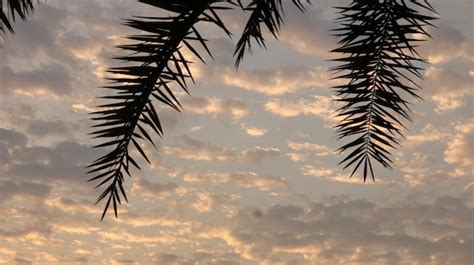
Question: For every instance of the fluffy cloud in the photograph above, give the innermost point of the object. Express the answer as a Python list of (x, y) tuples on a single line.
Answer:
[(191, 149), (335, 175), (205, 202), (309, 34), (217, 107), (460, 148), (347, 231), (197, 150), (451, 45), (319, 106), (448, 88), (429, 134), (241, 179), (259, 154), (254, 131), (449, 81), (422, 169), (319, 150), (277, 82)]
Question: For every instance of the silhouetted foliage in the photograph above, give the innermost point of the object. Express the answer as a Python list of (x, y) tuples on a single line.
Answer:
[(378, 40), (158, 62), (377, 44), (268, 13), (10, 10)]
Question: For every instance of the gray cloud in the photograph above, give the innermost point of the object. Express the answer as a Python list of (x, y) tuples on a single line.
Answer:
[(192, 149), (64, 162), (358, 231), (240, 179), (53, 77), (147, 188), (9, 189), (20, 261)]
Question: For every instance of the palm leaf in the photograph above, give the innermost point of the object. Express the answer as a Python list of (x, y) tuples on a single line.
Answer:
[(377, 45), (270, 13), (156, 62), (10, 11)]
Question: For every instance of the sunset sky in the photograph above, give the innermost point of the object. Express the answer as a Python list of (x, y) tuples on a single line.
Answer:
[(247, 173)]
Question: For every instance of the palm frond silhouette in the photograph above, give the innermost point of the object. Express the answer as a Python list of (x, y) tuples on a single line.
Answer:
[(270, 14), (377, 45), (157, 62), (10, 11), (378, 40)]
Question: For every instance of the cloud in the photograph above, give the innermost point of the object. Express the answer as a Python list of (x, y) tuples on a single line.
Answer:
[(259, 154), (240, 179), (317, 149), (276, 81), (450, 45), (438, 154), (41, 128), (165, 258), (460, 148), (48, 78), (430, 133), (351, 231), (63, 162), (37, 64), (308, 33), (205, 202), (254, 131), (221, 108), (335, 175), (448, 88), (191, 149), (123, 262), (20, 261), (423, 168), (12, 138), (150, 189), (313, 171), (319, 106), (197, 150), (296, 157), (10, 189)]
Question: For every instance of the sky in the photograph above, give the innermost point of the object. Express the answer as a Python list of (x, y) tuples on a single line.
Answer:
[(247, 173)]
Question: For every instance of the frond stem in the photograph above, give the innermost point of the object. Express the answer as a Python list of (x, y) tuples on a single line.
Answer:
[(378, 66)]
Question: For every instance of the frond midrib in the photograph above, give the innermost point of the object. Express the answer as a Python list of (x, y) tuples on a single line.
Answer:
[(374, 81)]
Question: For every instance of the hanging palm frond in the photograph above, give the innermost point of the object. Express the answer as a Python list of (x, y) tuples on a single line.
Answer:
[(10, 11), (267, 12), (378, 40), (157, 62)]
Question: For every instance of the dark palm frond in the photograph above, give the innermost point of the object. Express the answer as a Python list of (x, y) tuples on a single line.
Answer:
[(156, 62), (10, 10), (377, 42), (267, 12)]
